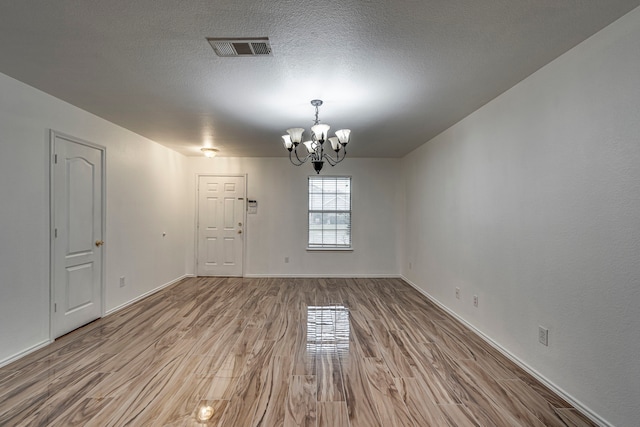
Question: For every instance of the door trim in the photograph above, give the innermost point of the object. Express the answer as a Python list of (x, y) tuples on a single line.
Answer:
[(197, 214), (53, 134)]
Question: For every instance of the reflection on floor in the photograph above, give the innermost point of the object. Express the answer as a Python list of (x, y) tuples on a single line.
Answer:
[(272, 352), (328, 329)]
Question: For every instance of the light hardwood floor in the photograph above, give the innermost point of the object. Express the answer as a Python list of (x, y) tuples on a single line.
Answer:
[(272, 352)]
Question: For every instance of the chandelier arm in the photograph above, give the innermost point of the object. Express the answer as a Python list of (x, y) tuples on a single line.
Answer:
[(300, 162), (331, 160), (335, 160)]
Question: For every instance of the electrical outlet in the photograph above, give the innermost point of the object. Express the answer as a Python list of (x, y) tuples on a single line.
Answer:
[(543, 335), (122, 283), (458, 293), (475, 300), (286, 260)]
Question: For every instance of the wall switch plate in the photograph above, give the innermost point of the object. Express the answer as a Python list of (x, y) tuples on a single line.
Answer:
[(409, 266), (475, 300), (286, 260), (458, 293), (122, 281), (543, 335)]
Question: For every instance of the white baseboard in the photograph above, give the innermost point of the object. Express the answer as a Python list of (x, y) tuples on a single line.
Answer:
[(113, 310), (146, 294), (559, 391), (23, 353), (325, 276)]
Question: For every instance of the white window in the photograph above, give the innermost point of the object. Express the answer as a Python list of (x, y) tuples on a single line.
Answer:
[(329, 212)]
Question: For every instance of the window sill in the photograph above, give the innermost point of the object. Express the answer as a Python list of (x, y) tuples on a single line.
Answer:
[(329, 249)]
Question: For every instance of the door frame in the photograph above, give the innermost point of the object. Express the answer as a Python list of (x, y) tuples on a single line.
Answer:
[(197, 216), (53, 134)]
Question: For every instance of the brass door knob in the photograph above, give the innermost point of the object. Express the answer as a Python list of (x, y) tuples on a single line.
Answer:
[(99, 243), (239, 231)]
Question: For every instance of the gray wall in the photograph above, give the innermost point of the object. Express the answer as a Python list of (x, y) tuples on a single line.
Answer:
[(279, 229), (145, 197), (533, 204)]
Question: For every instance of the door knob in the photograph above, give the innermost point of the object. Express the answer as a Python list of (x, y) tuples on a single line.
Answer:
[(99, 243), (239, 231)]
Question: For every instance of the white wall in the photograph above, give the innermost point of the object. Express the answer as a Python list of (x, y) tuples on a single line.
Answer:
[(533, 204), (279, 229), (145, 196)]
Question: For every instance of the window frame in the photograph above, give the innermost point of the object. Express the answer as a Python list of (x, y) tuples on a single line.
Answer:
[(310, 246)]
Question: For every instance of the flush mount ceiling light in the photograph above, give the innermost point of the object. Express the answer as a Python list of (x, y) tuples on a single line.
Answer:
[(209, 152), (315, 146)]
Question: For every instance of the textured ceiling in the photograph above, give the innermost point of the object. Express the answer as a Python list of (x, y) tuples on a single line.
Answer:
[(396, 72)]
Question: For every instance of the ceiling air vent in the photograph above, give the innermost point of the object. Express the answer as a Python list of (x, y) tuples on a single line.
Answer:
[(257, 46)]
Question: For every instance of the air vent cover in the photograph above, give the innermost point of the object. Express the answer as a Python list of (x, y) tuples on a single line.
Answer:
[(256, 46)]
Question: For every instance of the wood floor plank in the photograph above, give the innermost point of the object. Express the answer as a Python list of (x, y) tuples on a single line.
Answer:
[(304, 358), (572, 418), (231, 363), (393, 355), (423, 412), (431, 370), (301, 407), (458, 416), (361, 407), (333, 414), (389, 403), (495, 390), (356, 352), (132, 406), (246, 397), (525, 396), (206, 413), (178, 404), (329, 377), (474, 396), (216, 388), (272, 401), (361, 332)]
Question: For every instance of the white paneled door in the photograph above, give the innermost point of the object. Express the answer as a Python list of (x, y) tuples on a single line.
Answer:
[(77, 245), (221, 209)]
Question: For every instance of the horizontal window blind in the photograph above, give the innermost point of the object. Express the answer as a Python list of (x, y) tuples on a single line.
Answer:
[(329, 212)]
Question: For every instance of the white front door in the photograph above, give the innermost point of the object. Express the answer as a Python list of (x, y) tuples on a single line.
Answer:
[(76, 197), (221, 206)]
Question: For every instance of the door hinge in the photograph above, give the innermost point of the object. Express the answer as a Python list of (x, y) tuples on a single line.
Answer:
[(55, 233), (55, 307), (55, 159)]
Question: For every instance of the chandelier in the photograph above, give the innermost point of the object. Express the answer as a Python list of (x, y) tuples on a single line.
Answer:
[(315, 146)]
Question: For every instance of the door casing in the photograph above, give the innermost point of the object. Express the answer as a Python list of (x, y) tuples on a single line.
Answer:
[(196, 217), (52, 137)]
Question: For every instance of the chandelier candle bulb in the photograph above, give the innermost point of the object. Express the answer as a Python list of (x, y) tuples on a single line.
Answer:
[(343, 136), (314, 146), (320, 132), (309, 146), (288, 144), (335, 143), (296, 135)]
